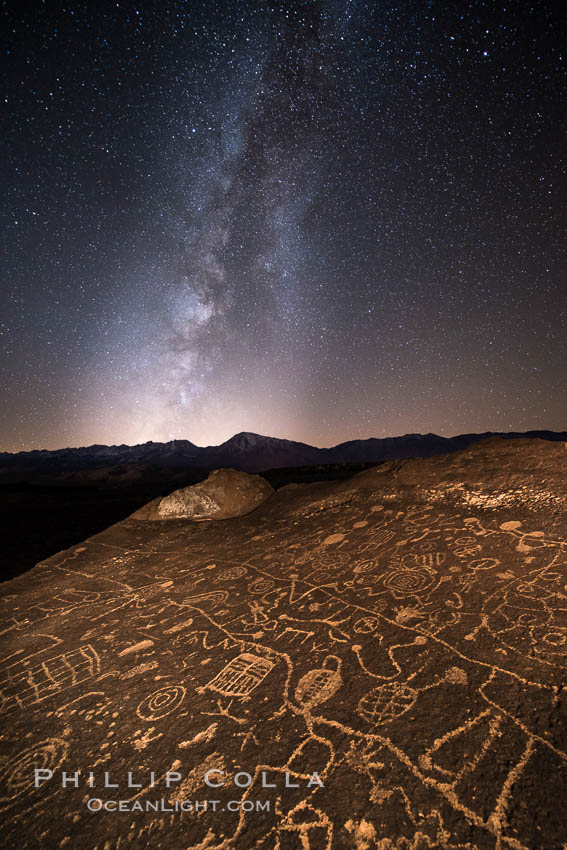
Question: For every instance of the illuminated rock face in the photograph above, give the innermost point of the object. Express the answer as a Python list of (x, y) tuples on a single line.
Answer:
[(381, 662), (224, 494)]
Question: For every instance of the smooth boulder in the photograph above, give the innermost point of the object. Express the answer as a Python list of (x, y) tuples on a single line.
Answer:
[(224, 494)]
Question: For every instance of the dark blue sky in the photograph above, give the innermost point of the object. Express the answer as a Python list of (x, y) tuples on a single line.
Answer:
[(318, 220)]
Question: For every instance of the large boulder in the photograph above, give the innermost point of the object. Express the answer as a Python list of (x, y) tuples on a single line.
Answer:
[(224, 494)]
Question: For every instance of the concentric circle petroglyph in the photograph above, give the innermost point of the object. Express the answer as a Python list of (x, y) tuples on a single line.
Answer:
[(262, 585), (161, 703), (232, 573), (407, 581), (17, 776), (365, 566)]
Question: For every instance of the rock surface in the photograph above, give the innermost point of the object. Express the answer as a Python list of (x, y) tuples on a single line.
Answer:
[(226, 493), (402, 634)]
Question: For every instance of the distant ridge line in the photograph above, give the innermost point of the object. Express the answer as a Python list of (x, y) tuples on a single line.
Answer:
[(254, 452)]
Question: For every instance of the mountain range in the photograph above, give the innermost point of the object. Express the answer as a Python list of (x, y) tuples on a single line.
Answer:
[(244, 451)]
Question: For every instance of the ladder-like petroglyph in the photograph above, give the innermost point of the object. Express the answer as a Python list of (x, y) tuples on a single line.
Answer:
[(31, 680), (240, 676)]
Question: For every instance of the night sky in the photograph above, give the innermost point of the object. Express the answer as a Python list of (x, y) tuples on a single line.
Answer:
[(319, 220)]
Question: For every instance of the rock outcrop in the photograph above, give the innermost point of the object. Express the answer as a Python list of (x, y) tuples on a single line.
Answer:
[(371, 664), (224, 494)]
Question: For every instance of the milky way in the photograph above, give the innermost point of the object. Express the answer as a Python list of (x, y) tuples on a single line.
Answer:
[(314, 220)]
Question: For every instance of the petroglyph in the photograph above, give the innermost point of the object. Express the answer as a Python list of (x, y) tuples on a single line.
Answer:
[(161, 703), (405, 642), (31, 681), (241, 675), (386, 702), (17, 775), (319, 685)]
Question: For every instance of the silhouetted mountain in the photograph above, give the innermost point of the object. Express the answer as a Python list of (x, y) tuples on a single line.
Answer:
[(254, 453), (245, 451)]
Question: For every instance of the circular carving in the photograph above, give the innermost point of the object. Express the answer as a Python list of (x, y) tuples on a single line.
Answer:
[(318, 685), (406, 581), (161, 702), (483, 564), (386, 702), (528, 619), (366, 566), (262, 585), (336, 559), (17, 776), (231, 573), (366, 625)]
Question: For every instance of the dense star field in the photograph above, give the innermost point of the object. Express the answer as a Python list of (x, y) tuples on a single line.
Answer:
[(317, 220)]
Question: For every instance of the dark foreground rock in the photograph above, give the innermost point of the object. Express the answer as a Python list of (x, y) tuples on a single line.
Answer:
[(225, 494), (402, 635)]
